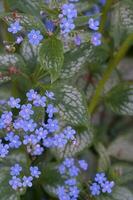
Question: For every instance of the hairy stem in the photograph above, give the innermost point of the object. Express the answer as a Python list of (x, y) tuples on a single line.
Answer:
[(106, 8), (112, 64)]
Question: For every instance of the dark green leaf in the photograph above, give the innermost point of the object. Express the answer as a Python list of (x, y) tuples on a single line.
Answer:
[(120, 99), (104, 160), (51, 57)]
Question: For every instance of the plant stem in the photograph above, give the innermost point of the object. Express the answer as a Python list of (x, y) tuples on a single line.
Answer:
[(112, 64), (106, 8)]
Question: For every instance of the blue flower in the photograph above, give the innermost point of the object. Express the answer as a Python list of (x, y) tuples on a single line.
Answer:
[(74, 192), (71, 182), (15, 170), (29, 125), (95, 189), (7, 118), (102, 2), (48, 142), (15, 27), (19, 39), (35, 37), (37, 150), (107, 186), (62, 169), (77, 40), (31, 94), (18, 124), (15, 183), (96, 39), (51, 110), (26, 111), (93, 24), (35, 171), (14, 103), (100, 178), (27, 181), (15, 142), (50, 95), (83, 164), (4, 149), (69, 132), (66, 25), (59, 140), (49, 25), (52, 125), (62, 194), (69, 11), (68, 162), (30, 139), (41, 133), (2, 124), (9, 136), (73, 171), (40, 101)]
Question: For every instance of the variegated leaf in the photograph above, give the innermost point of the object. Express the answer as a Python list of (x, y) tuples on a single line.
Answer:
[(122, 148), (76, 59), (119, 193), (51, 57), (120, 99), (71, 104)]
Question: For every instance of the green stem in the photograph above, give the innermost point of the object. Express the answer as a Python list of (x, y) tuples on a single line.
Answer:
[(112, 64), (105, 11)]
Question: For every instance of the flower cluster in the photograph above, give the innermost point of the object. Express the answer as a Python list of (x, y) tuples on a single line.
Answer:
[(34, 135), (94, 23), (69, 171), (67, 16), (26, 181), (101, 184), (96, 36), (34, 36)]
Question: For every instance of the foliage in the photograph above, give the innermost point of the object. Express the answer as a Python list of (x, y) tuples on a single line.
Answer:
[(82, 54)]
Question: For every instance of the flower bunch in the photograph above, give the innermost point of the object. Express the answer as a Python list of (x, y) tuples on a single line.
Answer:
[(101, 184), (69, 171), (67, 16), (34, 36), (26, 181), (34, 135)]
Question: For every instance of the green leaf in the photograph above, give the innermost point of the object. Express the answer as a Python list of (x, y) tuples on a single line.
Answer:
[(76, 59), (122, 147), (119, 193), (29, 53), (71, 104), (33, 7), (50, 178), (82, 140), (104, 160), (121, 20), (120, 99), (124, 172), (51, 57)]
